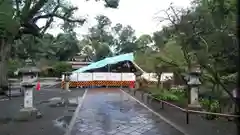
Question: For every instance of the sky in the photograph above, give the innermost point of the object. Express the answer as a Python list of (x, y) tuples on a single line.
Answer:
[(140, 14)]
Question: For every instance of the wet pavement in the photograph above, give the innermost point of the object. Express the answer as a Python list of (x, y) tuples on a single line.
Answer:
[(112, 112), (56, 106)]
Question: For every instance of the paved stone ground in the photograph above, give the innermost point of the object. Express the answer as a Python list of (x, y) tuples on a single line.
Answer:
[(111, 112), (197, 125), (47, 124)]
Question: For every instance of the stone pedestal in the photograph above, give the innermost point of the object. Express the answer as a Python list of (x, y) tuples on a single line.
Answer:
[(67, 80), (28, 94), (194, 83), (28, 98), (194, 101), (67, 86), (28, 112)]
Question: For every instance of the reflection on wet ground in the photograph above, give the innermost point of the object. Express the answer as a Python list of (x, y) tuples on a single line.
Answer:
[(62, 102), (62, 122), (115, 113), (70, 103)]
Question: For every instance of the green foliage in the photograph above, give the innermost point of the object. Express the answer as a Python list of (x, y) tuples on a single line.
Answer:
[(203, 34), (211, 106), (20, 17), (96, 44), (62, 47), (13, 65), (144, 41), (173, 53), (146, 60), (175, 96), (60, 67), (167, 96), (8, 25), (178, 92), (126, 39)]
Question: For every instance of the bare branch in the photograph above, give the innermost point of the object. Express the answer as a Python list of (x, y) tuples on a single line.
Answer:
[(48, 23), (175, 14)]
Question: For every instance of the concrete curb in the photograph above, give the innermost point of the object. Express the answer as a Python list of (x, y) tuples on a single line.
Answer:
[(159, 115), (74, 117)]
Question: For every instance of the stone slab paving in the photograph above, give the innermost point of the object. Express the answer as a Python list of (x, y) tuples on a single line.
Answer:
[(112, 112)]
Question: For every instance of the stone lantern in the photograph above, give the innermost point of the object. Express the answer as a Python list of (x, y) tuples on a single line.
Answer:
[(29, 73), (29, 77), (67, 80), (194, 83), (28, 112)]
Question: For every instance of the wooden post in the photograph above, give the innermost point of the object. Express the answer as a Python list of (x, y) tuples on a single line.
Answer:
[(121, 82), (92, 81), (162, 105), (237, 112), (107, 85), (187, 116)]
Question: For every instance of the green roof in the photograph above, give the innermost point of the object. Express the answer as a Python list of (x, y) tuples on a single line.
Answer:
[(107, 61)]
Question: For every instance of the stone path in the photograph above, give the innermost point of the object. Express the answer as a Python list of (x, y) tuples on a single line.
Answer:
[(112, 112)]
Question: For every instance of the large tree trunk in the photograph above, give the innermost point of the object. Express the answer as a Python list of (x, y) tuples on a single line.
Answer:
[(3, 75), (4, 49)]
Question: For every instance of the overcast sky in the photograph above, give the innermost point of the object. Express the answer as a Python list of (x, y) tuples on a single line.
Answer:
[(139, 14)]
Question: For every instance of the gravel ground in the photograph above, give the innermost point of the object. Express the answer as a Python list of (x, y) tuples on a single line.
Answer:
[(42, 126)]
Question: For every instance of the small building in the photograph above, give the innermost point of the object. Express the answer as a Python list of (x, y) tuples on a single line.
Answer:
[(79, 61), (77, 65)]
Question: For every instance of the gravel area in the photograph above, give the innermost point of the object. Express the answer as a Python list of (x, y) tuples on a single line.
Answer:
[(46, 125)]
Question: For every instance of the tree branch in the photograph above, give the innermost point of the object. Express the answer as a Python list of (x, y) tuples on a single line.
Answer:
[(17, 8), (81, 21), (48, 23), (53, 12), (25, 10), (36, 8), (216, 78)]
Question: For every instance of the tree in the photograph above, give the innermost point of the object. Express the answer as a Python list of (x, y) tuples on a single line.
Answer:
[(99, 40), (146, 60), (66, 46), (125, 39), (21, 16), (144, 41), (206, 35), (160, 38), (61, 48)]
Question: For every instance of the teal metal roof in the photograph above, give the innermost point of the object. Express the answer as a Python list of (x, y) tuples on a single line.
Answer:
[(107, 61)]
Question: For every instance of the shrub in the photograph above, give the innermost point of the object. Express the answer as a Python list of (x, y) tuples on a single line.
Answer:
[(178, 92), (211, 106), (165, 95)]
